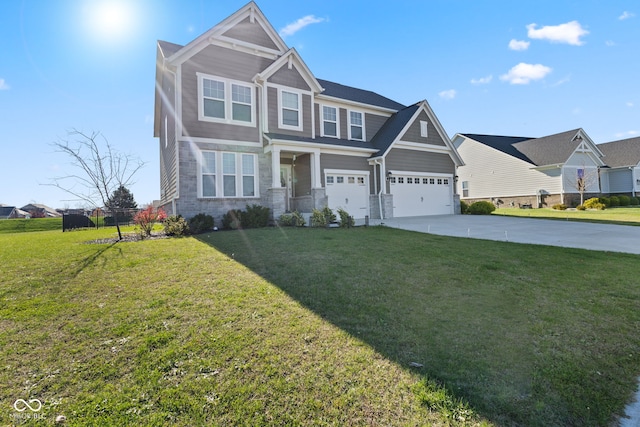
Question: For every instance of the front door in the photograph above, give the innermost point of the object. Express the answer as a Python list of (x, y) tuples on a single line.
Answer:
[(286, 181)]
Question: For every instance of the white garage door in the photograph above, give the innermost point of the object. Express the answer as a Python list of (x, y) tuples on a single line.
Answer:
[(349, 191), (415, 195)]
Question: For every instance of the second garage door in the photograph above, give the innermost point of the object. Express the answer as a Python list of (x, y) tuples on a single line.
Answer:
[(349, 191), (415, 195)]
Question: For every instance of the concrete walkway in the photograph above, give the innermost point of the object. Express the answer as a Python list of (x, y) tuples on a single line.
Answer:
[(585, 235)]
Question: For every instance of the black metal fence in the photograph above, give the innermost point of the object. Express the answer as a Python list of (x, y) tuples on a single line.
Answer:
[(98, 218)]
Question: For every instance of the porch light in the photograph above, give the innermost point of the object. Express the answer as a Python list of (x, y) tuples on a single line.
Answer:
[(388, 175)]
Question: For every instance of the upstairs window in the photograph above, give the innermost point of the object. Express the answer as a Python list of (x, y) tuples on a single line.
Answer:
[(225, 101), (329, 121), (290, 113), (356, 125), (424, 129)]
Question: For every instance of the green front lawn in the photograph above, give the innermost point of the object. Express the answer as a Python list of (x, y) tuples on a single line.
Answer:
[(625, 216), (314, 326)]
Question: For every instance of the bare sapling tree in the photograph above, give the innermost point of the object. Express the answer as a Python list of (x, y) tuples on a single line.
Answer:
[(100, 170), (587, 180)]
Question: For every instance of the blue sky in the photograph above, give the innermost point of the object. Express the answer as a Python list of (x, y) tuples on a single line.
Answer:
[(526, 68)]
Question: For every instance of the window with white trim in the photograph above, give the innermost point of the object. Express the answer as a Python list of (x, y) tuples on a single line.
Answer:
[(356, 125), (225, 101), (424, 129), (227, 175), (329, 121), (465, 188), (290, 111)]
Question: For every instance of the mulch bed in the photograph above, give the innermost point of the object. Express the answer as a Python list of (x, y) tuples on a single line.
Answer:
[(127, 237)]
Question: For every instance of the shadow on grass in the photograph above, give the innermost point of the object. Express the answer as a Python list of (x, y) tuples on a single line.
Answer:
[(487, 319), (93, 257)]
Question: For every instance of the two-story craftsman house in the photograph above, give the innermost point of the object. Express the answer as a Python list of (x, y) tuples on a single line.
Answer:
[(241, 120)]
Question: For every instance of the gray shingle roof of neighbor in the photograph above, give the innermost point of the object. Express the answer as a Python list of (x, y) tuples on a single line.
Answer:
[(6, 210), (338, 90), (548, 150), (501, 143), (621, 153)]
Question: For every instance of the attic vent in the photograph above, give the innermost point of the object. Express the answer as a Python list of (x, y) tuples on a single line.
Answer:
[(424, 129)]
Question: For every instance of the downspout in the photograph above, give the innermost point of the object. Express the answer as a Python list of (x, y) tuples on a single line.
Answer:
[(378, 162)]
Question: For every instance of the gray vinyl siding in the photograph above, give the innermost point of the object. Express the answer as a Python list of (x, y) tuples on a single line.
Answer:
[(302, 175), (228, 64), (373, 123), (289, 77), (413, 133), (620, 181), (336, 161), (418, 161), (272, 95), (251, 33), (167, 142), (343, 123)]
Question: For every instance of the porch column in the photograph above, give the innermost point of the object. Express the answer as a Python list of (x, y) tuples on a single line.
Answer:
[(275, 167), (316, 182)]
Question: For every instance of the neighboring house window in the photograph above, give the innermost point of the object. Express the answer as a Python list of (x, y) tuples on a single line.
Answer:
[(227, 174), (465, 188), (290, 112), (225, 101), (329, 121), (356, 125), (424, 129)]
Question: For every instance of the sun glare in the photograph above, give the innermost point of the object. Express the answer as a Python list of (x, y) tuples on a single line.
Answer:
[(109, 20)]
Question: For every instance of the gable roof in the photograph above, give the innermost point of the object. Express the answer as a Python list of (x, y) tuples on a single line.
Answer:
[(548, 150), (223, 32), (6, 211), (290, 57), (392, 128), (361, 96), (621, 153)]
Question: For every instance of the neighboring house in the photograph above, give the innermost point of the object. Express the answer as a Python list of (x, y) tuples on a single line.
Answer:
[(537, 172), (43, 209), (8, 212), (241, 120), (623, 160)]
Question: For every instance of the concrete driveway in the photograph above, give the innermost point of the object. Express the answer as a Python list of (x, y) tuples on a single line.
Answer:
[(585, 235)]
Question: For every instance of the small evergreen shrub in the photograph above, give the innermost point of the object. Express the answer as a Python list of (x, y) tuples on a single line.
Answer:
[(200, 223), (294, 219), (318, 218), (559, 207), (464, 207), (634, 201), (346, 220), (176, 225), (581, 208), (255, 216), (614, 201), (232, 220), (481, 208), (624, 200), (605, 201), (595, 203), (329, 215)]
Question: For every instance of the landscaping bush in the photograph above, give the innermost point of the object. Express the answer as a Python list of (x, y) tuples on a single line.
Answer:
[(293, 219), (346, 220), (605, 201), (595, 203), (176, 225), (624, 200), (200, 223), (614, 201), (581, 208), (481, 208), (255, 216), (464, 207), (634, 201), (318, 219), (559, 207), (232, 220), (146, 218), (329, 215)]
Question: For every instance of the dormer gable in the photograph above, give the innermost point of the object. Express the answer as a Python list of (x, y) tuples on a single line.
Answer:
[(247, 30), (290, 63)]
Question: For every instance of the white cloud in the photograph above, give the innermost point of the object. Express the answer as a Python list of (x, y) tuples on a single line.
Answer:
[(562, 81), (610, 43), (482, 80), (523, 73), (4, 85), (447, 94), (627, 134), (629, 104), (294, 27), (518, 44), (569, 33), (626, 15)]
